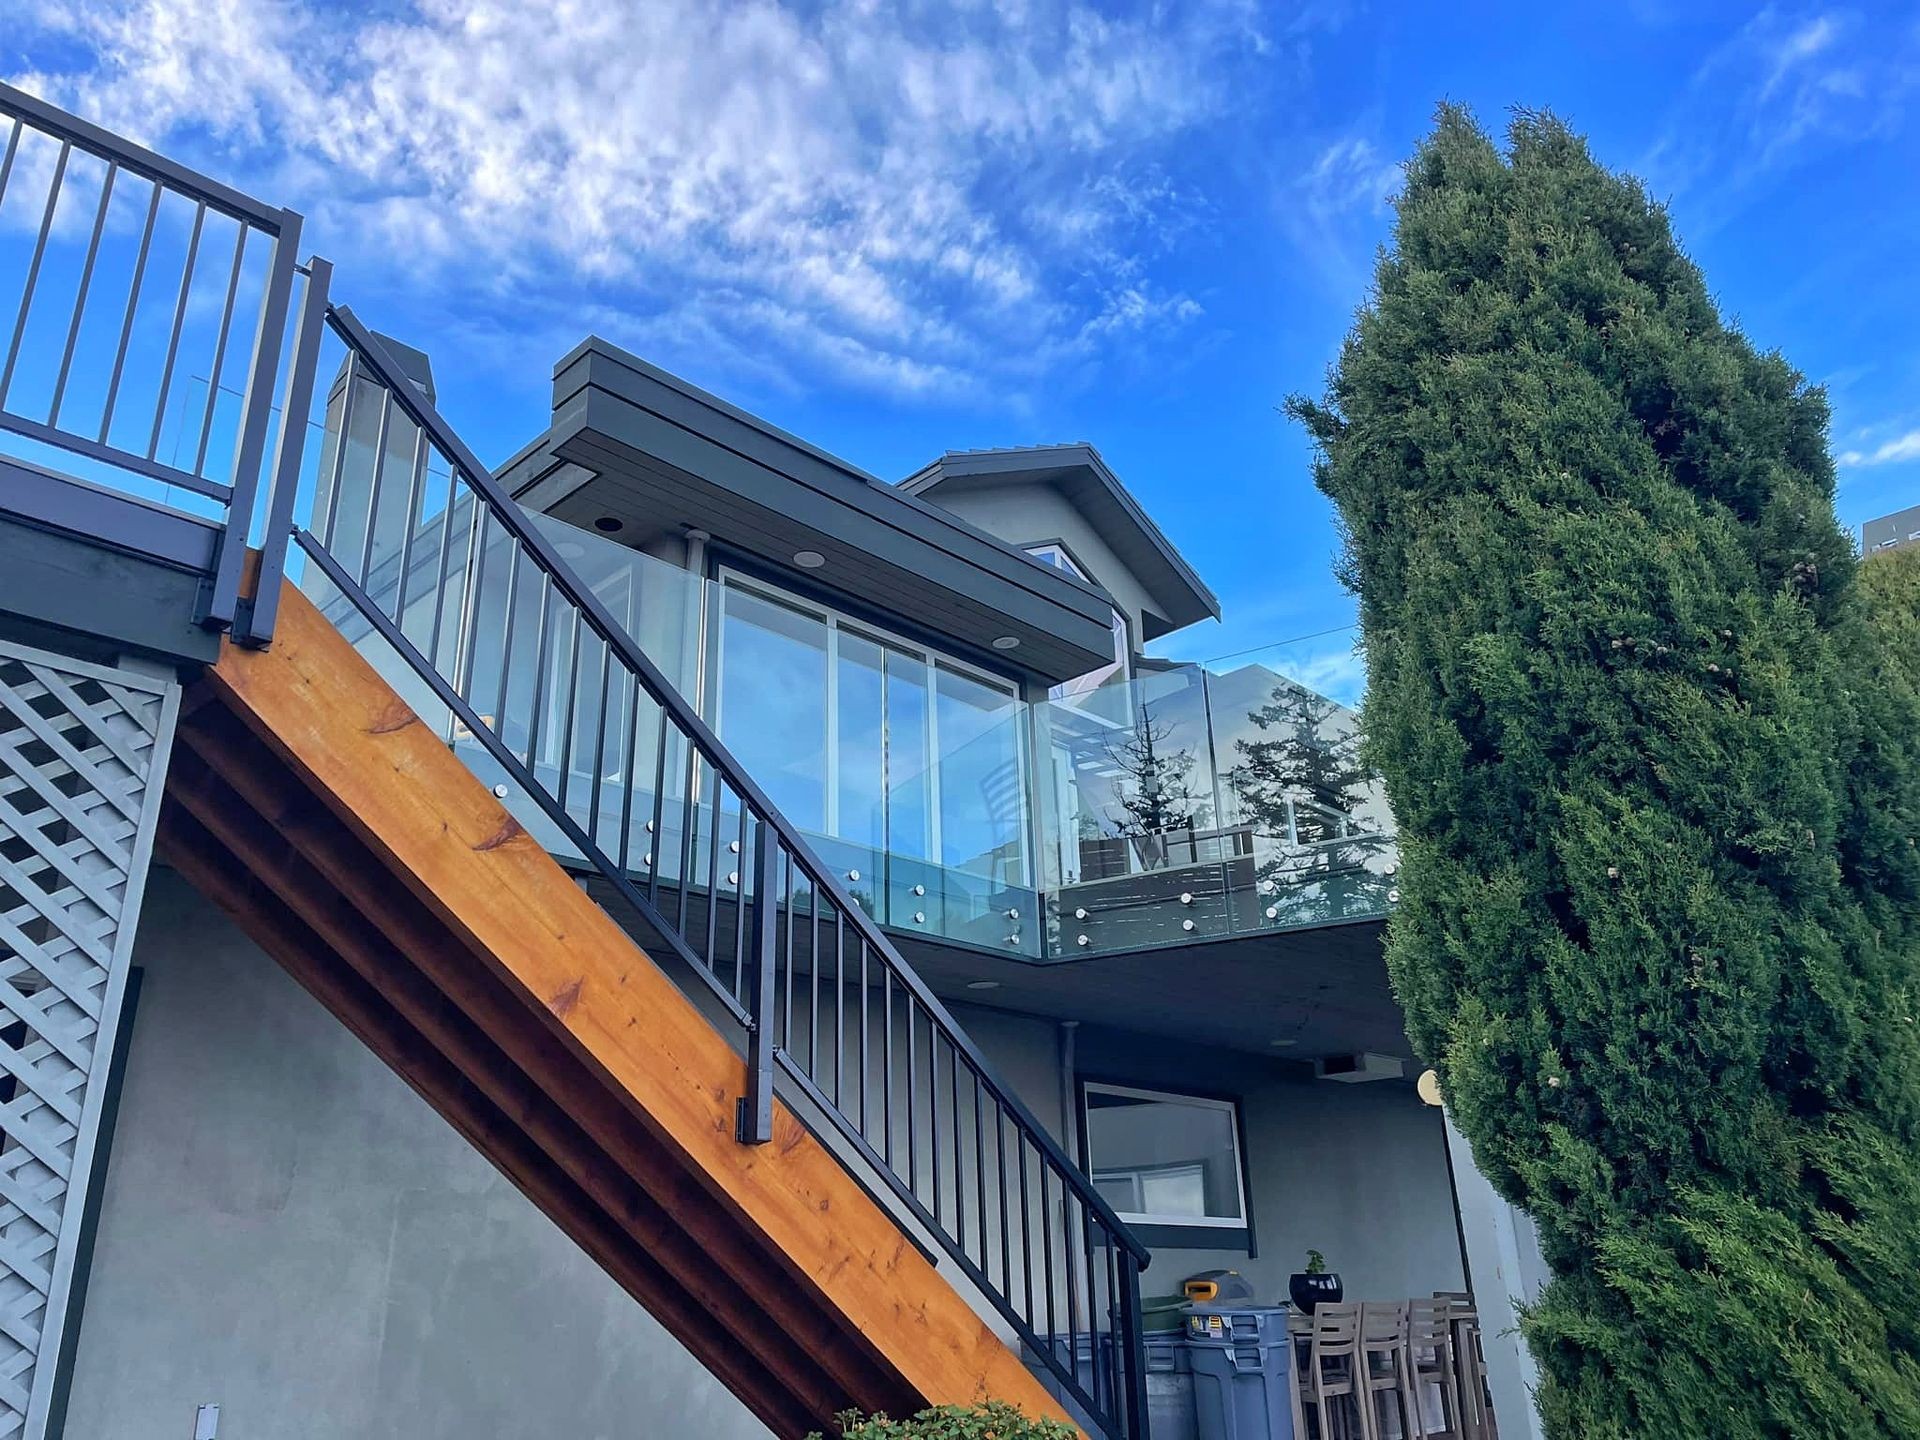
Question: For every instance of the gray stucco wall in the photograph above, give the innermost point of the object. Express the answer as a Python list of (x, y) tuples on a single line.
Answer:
[(1358, 1172), (1028, 514), (291, 1232)]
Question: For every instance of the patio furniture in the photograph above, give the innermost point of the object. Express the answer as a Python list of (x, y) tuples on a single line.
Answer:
[(1385, 1373), (1470, 1367), (1436, 1385), (1330, 1392)]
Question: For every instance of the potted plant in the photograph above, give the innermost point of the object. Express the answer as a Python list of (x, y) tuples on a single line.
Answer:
[(1309, 1287)]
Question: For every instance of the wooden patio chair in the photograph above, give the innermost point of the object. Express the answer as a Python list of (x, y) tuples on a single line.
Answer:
[(1331, 1393), (1385, 1372)]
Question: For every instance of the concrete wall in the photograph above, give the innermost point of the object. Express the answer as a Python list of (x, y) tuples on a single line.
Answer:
[(289, 1231)]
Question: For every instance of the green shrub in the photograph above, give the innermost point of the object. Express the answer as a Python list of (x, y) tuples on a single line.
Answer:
[(1653, 763), (995, 1420)]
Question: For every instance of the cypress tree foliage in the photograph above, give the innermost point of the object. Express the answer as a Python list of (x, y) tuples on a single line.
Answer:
[(1655, 787)]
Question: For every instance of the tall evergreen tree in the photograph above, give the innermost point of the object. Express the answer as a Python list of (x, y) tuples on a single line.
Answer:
[(1661, 902)]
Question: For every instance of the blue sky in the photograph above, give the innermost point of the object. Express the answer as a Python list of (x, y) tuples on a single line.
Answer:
[(903, 228)]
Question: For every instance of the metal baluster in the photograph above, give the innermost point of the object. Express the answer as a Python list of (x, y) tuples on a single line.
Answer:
[(865, 1072), (220, 349), (80, 299), (839, 999), (689, 809), (600, 747), (1093, 1298), (416, 481), (656, 832), (740, 903), (365, 577), (713, 877), (959, 1147), (886, 1063), (13, 147), (1026, 1226), (1046, 1246), (1000, 1183), (499, 723), (542, 657), (786, 1011), (933, 1113), (467, 637), (629, 762), (979, 1167), (573, 697), (338, 478), (33, 270), (813, 978), (173, 340), (133, 306), (913, 1110)]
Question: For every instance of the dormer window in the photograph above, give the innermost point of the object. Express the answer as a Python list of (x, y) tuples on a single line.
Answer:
[(1054, 554)]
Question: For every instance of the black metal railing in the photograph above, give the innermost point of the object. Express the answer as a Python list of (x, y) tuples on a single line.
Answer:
[(150, 320), (128, 349), (411, 540)]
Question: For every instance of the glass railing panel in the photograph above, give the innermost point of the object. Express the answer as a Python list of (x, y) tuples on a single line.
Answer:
[(1178, 806), (1126, 768)]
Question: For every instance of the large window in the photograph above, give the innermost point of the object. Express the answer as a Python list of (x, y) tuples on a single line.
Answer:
[(1163, 1159), (863, 737)]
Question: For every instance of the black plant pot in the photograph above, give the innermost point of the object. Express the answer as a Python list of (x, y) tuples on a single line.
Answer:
[(1308, 1291)]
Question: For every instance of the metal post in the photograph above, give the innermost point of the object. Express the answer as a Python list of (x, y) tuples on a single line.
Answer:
[(223, 587), (1132, 1347), (254, 625), (756, 1106)]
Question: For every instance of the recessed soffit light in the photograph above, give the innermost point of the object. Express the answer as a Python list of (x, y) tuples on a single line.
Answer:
[(809, 559), (1006, 642)]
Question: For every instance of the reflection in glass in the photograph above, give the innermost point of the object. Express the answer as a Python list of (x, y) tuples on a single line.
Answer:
[(1164, 1158), (773, 702)]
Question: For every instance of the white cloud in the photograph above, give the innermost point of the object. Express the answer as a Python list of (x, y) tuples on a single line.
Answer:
[(917, 197), (1890, 452), (1784, 89), (1336, 211)]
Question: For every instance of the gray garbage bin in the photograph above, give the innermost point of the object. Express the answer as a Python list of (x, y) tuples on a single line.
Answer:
[(1169, 1381), (1169, 1377), (1242, 1364)]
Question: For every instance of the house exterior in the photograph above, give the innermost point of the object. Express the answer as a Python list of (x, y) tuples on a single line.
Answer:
[(1891, 532), (865, 974)]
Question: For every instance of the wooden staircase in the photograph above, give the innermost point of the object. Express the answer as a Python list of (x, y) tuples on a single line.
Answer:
[(313, 805)]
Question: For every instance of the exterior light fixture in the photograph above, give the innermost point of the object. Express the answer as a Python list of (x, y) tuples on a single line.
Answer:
[(1006, 642), (809, 559), (983, 984), (607, 524)]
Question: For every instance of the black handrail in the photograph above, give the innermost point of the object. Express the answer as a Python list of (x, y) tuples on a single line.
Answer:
[(788, 908)]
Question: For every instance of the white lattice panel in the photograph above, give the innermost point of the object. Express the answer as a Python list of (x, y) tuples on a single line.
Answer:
[(82, 757)]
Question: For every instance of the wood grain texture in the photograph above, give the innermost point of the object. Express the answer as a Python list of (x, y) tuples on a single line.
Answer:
[(619, 1095)]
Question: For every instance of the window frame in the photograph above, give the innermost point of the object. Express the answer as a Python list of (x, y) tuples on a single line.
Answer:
[(1178, 1232), (934, 660)]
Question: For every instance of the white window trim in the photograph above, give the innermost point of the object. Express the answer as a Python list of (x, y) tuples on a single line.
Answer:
[(1178, 1097)]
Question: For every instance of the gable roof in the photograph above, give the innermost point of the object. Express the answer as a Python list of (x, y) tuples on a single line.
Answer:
[(1078, 473)]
